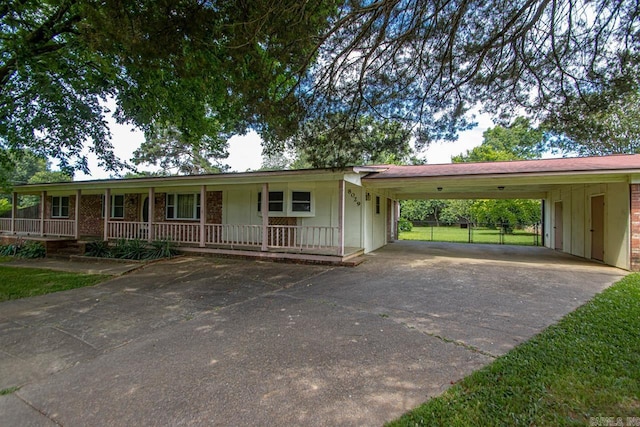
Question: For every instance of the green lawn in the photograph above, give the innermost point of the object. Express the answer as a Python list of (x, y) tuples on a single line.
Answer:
[(577, 372), (27, 282), (461, 235)]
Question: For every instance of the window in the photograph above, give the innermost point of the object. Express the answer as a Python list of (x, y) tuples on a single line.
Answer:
[(276, 201), (377, 204), (301, 201), (117, 206), (183, 206), (59, 207)]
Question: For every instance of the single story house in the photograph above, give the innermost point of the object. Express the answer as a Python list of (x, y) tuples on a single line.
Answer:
[(591, 207)]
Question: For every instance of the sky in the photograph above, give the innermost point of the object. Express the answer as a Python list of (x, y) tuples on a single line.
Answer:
[(245, 152)]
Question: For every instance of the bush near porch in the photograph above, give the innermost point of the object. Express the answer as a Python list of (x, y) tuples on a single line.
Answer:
[(585, 370)]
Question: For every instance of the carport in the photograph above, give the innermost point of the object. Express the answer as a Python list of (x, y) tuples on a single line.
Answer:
[(591, 205)]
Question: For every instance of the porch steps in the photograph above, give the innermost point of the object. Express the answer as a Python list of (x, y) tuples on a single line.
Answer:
[(66, 249)]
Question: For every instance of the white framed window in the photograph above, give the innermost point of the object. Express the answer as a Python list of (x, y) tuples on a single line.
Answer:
[(117, 206), (276, 201), (59, 207), (301, 201), (378, 205), (183, 206)]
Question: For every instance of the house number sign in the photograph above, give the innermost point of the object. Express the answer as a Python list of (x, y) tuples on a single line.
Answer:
[(353, 197)]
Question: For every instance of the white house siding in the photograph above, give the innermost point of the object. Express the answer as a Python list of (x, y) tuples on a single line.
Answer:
[(376, 224), (354, 207), (576, 208), (240, 206)]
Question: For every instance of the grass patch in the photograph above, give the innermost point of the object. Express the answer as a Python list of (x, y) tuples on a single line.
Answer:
[(455, 234), (27, 282), (586, 366), (9, 390)]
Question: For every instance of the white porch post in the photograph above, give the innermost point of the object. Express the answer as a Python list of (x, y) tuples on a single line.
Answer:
[(14, 211), (203, 215), (341, 217), (151, 212), (107, 212), (264, 208), (77, 214), (43, 202)]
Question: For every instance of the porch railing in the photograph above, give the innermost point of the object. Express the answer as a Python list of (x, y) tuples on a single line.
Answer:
[(52, 227), (302, 237), (59, 227), (182, 233), (278, 236), (5, 224), (29, 226), (234, 234), (128, 230)]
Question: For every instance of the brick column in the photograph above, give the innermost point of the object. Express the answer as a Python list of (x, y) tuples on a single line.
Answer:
[(107, 213), (635, 227)]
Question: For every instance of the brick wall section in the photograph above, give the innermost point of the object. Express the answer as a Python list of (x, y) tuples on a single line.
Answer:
[(214, 207), (160, 208), (635, 227), (91, 222), (132, 207)]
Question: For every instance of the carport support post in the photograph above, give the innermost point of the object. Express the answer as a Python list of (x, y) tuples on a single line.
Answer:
[(76, 233), (14, 211), (203, 214), (43, 201), (151, 212), (341, 217), (107, 212), (264, 208)]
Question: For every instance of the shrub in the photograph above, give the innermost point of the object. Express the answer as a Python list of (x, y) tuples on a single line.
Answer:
[(98, 248), (8, 250), (135, 249), (405, 225), (161, 249), (32, 250)]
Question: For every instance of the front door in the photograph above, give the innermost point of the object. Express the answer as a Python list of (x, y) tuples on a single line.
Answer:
[(597, 228), (557, 226)]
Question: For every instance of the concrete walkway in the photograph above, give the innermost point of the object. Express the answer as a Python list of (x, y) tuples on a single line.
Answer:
[(206, 341), (81, 265)]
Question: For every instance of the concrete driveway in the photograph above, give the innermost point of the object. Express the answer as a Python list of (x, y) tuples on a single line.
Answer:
[(207, 341)]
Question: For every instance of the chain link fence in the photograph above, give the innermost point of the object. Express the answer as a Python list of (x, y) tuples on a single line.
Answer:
[(502, 234)]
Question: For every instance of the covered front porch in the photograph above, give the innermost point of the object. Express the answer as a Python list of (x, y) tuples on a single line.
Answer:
[(192, 217)]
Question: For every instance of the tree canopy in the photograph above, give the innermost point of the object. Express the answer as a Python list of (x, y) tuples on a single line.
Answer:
[(518, 141), (216, 68), (167, 148)]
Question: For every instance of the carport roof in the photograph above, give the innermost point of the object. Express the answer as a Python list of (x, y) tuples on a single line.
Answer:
[(622, 162), (505, 180)]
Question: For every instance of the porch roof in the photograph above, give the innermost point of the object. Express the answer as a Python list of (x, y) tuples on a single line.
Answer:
[(351, 174)]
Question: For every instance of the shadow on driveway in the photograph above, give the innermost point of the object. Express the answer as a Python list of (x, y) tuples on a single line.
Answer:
[(207, 341)]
